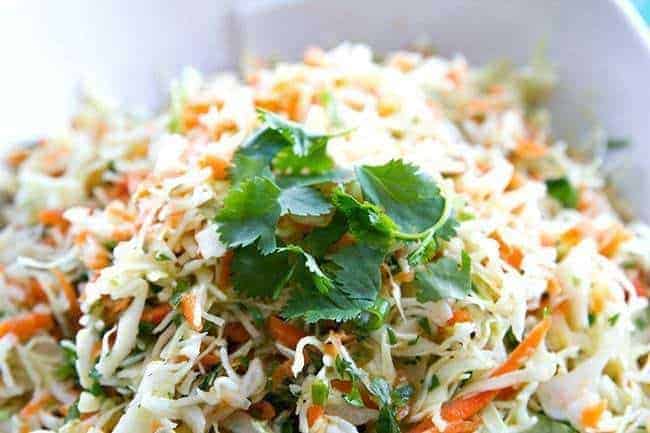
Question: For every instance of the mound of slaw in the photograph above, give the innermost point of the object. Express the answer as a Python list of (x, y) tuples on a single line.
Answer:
[(338, 245)]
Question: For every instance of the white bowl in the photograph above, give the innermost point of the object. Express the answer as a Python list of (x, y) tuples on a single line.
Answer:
[(601, 49)]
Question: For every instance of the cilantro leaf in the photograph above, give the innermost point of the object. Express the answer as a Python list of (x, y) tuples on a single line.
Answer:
[(303, 201), (358, 276), (263, 144), (301, 141), (246, 166), (313, 306), (411, 198), (367, 222), (321, 281), (357, 281), (562, 190), (444, 279), (316, 162), (338, 175), (321, 238), (258, 275), (250, 212)]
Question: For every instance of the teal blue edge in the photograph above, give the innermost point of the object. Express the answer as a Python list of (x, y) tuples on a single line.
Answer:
[(643, 6)]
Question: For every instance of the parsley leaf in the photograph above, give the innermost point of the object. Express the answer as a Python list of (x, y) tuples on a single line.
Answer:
[(258, 275), (366, 221), (303, 201), (562, 190), (444, 279), (250, 212), (411, 198)]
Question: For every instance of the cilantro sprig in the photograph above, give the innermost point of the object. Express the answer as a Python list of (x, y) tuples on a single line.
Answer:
[(382, 207)]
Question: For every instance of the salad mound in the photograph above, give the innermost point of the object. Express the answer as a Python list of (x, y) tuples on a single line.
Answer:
[(334, 246)]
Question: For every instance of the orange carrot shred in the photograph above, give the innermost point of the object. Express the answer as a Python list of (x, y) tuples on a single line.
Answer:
[(189, 310), (463, 408), (591, 415), (224, 274), (236, 333), (70, 294), (35, 404), (26, 325), (314, 412), (284, 332), (156, 314)]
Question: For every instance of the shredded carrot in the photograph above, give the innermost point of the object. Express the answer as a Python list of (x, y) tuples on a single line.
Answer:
[(26, 325), (526, 348), (314, 56), (553, 287), (612, 240), (156, 314), (591, 415), (35, 404), (330, 349), (53, 218), (572, 236), (459, 315), (70, 294), (191, 114), (224, 273), (262, 410), (314, 412), (236, 333), (16, 157), (640, 285), (463, 408), (404, 277), (281, 372), (218, 166), (191, 311), (530, 149), (209, 360), (287, 334)]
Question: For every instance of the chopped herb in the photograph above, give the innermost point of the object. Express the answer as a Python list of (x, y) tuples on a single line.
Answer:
[(182, 286), (414, 341), (374, 317), (5, 414), (161, 257), (110, 245), (614, 319), (562, 191), (73, 412), (509, 340), (319, 392), (435, 382), (591, 319), (392, 338), (423, 323), (617, 143)]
